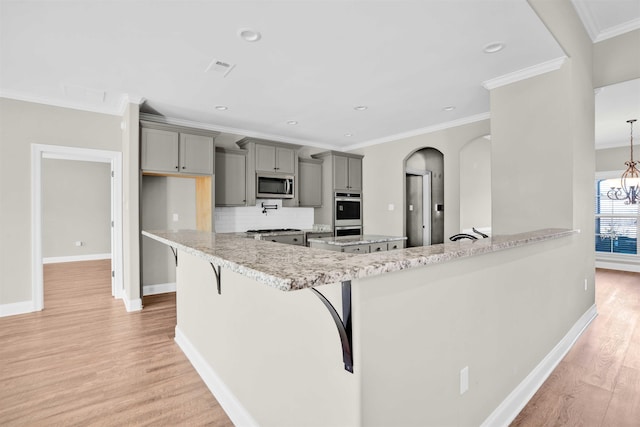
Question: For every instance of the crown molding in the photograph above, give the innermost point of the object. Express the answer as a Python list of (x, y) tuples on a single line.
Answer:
[(420, 131), (524, 74), (587, 18), (623, 28), (56, 102), (236, 131), (597, 34)]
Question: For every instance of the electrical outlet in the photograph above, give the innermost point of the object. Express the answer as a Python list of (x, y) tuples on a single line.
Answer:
[(176, 218), (464, 380), (79, 243)]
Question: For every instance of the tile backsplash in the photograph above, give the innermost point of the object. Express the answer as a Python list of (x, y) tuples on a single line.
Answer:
[(236, 219)]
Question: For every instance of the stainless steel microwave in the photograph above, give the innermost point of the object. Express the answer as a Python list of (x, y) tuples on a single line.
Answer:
[(274, 186)]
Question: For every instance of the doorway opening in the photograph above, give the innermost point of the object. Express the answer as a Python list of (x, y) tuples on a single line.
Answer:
[(424, 197), (114, 159)]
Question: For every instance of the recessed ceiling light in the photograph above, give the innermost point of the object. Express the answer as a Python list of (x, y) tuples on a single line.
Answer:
[(493, 47), (292, 122), (449, 108), (221, 107), (249, 34), (348, 134), (360, 108)]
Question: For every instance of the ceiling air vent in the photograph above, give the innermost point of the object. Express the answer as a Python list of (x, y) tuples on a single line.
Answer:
[(220, 67)]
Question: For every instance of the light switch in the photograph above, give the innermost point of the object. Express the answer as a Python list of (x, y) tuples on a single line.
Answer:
[(410, 207), (391, 207), (175, 217), (79, 243)]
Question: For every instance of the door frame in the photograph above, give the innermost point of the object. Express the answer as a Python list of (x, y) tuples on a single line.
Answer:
[(426, 206), (114, 158)]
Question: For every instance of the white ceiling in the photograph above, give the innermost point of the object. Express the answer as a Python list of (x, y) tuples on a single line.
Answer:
[(316, 61)]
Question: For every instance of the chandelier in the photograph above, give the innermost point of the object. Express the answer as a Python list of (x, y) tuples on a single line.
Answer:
[(630, 180)]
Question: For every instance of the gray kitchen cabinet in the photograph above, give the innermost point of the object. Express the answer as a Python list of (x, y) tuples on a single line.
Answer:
[(271, 158), (290, 239), (316, 235), (231, 178), (169, 149), (310, 182), (347, 173), (356, 249), (378, 247), (196, 154), (396, 245), (159, 150), (265, 156), (341, 172)]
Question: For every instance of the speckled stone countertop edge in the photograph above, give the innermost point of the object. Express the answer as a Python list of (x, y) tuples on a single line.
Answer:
[(315, 267)]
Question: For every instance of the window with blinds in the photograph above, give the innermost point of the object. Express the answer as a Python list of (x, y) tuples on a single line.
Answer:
[(616, 222)]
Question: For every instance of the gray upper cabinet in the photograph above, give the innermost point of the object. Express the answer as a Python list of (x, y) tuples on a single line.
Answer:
[(310, 182), (355, 174), (196, 154), (271, 158), (170, 149), (231, 184), (159, 150), (347, 173)]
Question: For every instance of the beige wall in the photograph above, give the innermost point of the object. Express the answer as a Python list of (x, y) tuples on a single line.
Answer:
[(612, 159), (384, 177), (76, 206), (161, 198), (475, 184), (616, 60), (23, 124), (498, 314)]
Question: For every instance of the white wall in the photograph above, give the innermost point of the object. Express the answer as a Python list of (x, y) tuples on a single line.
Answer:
[(23, 124), (76, 206), (240, 219)]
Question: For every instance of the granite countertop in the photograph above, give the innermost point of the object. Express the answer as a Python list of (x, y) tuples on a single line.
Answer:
[(364, 239), (291, 267)]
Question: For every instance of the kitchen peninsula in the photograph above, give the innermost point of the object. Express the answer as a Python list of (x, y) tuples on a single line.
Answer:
[(414, 318)]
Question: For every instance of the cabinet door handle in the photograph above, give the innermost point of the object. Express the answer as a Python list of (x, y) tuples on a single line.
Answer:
[(184, 167), (274, 240), (378, 249), (295, 240), (177, 167)]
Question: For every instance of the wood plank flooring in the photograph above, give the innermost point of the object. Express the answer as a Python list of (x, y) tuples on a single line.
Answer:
[(598, 381), (85, 361)]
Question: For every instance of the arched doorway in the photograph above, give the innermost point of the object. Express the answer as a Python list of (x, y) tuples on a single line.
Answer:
[(424, 197)]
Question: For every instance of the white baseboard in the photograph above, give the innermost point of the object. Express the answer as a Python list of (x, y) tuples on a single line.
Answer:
[(74, 258), (12, 309), (622, 266), (160, 288), (132, 304), (509, 409), (231, 405)]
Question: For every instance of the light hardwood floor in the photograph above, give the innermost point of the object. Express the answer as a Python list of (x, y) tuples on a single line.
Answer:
[(598, 381), (85, 361)]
